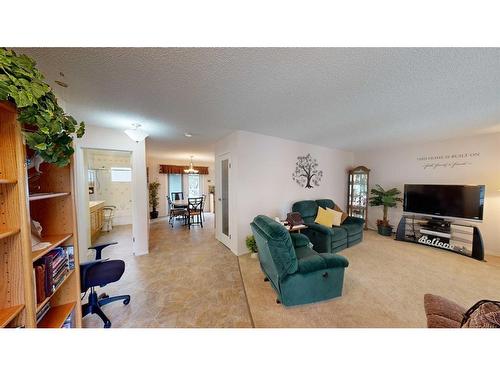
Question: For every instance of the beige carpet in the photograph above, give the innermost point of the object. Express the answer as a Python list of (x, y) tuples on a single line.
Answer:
[(383, 287)]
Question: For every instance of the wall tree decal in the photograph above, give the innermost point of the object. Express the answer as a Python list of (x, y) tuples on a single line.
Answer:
[(306, 172)]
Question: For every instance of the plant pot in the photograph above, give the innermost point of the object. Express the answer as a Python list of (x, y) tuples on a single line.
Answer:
[(255, 255), (384, 230), (153, 214)]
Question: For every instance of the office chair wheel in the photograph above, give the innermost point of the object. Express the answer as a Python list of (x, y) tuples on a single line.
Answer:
[(126, 301), (103, 295)]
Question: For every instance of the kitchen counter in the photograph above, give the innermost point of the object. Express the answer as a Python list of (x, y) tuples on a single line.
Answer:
[(94, 204)]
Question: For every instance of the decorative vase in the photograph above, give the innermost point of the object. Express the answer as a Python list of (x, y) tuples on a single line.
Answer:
[(153, 214)]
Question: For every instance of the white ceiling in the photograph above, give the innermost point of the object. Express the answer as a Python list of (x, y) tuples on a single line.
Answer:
[(345, 98)]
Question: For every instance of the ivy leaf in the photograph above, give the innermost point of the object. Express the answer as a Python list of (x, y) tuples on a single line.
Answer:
[(39, 90), (41, 146), (51, 130), (81, 130)]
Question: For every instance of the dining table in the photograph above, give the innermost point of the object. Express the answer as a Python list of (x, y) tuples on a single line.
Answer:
[(180, 203)]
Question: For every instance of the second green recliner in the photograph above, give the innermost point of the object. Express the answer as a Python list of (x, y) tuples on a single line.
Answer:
[(326, 239)]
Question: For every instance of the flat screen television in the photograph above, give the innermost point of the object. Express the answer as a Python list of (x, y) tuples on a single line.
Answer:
[(447, 201)]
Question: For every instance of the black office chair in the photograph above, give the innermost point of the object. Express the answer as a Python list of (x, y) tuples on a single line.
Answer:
[(99, 273)]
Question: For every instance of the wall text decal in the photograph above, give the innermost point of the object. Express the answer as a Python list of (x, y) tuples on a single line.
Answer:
[(448, 160)]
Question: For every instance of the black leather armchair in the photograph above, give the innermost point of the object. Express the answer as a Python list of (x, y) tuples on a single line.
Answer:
[(98, 273)]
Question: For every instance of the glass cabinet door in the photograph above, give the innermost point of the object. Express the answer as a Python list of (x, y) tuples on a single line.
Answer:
[(357, 204)]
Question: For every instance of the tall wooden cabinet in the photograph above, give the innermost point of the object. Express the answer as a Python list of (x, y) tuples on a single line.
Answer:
[(358, 194), (53, 206)]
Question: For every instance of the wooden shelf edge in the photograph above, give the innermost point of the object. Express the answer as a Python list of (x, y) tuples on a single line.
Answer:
[(8, 106), (56, 316), (55, 241), (7, 181), (41, 304), (8, 233), (38, 197), (9, 313)]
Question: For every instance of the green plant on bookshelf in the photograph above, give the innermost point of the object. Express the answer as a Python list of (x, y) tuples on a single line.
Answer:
[(50, 130)]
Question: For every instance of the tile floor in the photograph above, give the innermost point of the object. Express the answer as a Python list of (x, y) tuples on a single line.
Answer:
[(187, 280)]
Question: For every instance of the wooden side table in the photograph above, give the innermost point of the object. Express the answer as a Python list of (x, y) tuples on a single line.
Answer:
[(295, 228)]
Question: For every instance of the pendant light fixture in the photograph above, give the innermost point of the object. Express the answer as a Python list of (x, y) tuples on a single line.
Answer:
[(191, 169), (136, 134)]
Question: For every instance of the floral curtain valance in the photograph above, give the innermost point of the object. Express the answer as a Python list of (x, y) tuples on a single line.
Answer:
[(179, 169)]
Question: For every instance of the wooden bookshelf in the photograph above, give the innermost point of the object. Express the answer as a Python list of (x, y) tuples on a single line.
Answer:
[(13, 205), (54, 240), (48, 199), (39, 196), (7, 181), (56, 316), (41, 304), (8, 314), (8, 232)]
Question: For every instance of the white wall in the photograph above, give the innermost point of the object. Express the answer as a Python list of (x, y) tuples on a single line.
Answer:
[(155, 175), (111, 139), (261, 178), (399, 165)]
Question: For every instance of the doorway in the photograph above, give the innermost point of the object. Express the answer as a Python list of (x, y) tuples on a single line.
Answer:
[(109, 187), (222, 218)]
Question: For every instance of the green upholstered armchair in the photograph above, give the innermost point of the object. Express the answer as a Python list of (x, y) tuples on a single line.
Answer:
[(298, 274), (325, 239)]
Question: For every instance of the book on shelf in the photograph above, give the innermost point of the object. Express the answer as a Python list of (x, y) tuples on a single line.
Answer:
[(43, 311), (70, 251), (50, 272), (40, 282), (70, 321)]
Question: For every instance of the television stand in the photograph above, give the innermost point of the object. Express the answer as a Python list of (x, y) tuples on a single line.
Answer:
[(441, 233)]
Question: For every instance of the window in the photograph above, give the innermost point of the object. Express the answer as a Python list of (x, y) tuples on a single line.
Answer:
[(174, 183), (121, 174), (194, 185)]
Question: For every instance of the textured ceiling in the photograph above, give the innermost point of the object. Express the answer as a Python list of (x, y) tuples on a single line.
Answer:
[(346, 98)]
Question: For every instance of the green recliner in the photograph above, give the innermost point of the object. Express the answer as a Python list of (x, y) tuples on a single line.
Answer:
[(299, 274), (325, 239)]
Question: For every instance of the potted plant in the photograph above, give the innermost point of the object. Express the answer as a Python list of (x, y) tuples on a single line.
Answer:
[(47, 128), (385, 198), (251, 245), (153, 198)]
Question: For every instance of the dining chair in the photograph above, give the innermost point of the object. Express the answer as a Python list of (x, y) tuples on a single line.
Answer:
[(174, 212), (204, 196), (194, 211), (177, 196)]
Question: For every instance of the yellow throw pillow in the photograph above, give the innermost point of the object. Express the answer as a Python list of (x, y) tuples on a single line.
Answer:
[(324, 217), (337, 217)]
